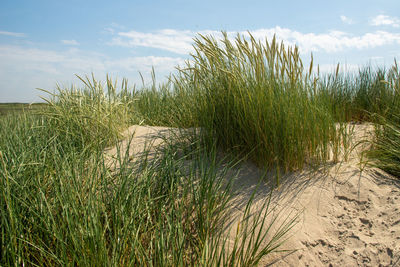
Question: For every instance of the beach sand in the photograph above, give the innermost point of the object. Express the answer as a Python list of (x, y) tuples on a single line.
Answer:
[(347, 214)]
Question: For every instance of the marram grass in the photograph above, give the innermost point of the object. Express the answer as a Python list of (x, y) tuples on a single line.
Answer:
[(359, 96), (91, 115), (61, 206), (385, 151), (256, 98)]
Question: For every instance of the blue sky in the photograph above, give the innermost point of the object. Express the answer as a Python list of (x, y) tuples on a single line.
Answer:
[(47, 42)]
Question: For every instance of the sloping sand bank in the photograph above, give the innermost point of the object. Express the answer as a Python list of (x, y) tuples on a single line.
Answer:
[(347, 215), (346, 218)]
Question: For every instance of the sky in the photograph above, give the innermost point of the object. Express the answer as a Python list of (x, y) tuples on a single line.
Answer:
[(45, 43)]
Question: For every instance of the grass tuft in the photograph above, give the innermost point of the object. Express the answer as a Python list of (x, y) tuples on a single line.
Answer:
[(88, 116), (63, 206), (255, 98)]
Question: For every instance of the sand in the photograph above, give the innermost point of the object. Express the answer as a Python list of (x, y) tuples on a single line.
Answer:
[(347, 214), (346, 218)]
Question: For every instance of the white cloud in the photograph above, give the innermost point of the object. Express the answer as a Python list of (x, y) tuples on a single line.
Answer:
[(180, 42), (336, 41), (109, 30), (113, 28), (346, 20), (20, 59), (116, 25), (171, 40), (344, 68), (24, 69), (14, 34), (69, 42), (385, 20), (145, 64), (78, 61)]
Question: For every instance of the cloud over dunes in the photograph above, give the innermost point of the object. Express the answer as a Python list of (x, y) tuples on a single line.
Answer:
[(69, 42), (41, 68), (13, 34), (18, 58), (171, 40), (382, 20), (180, 42), (346, 20), (145, 63)]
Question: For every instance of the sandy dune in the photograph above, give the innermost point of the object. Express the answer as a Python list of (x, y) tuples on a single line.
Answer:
[(347, 218), (348, 215)]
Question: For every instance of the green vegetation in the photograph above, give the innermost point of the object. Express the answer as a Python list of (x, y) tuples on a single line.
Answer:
[(90, 116), (385, 152), (8, 108), (360, 96), (256, 99), (62, 205)]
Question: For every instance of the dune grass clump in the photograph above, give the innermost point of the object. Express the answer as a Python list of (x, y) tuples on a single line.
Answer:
[(62, 206), (377, 92), (165, 105), (385, 152), (336, 90), (359, 96), (257, 98), (96, 113)]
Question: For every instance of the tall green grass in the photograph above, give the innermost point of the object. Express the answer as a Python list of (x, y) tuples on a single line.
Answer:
[(62, 206), (256, 98), (385, 152), (359, 96), (166, 105), (87, 116)]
